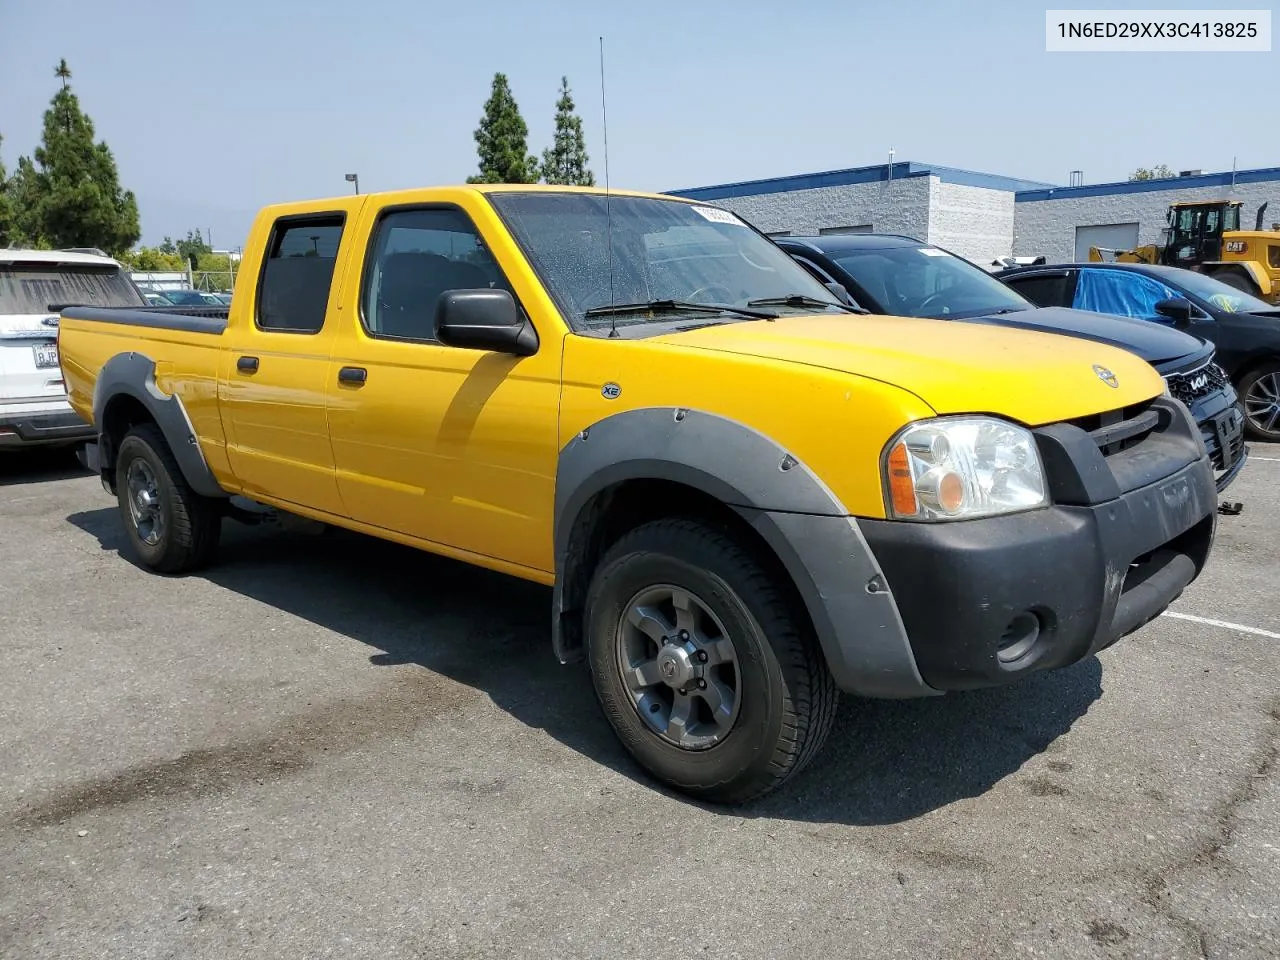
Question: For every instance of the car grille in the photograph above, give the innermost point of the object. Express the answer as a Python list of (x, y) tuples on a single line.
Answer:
[(1118, 430), (1196, 384)]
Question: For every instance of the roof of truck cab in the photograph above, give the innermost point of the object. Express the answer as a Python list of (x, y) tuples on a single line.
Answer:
[(386, 196), (16, 255)]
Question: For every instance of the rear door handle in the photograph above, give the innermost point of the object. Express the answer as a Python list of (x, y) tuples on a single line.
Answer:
[(353, 375), (247, 364)]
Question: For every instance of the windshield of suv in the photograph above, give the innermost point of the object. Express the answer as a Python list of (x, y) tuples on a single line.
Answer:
[(1217, 293), (927, 282), (30, 288), (662, 250)]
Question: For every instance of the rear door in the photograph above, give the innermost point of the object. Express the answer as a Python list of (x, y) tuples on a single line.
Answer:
[(31, 294), (274, 371)]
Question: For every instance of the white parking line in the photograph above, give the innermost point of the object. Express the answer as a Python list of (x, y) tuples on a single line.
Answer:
[(1222, 623), (1267, 459)]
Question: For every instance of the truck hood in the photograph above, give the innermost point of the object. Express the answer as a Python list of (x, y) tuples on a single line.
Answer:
[(1031, 377), (1152, 341)]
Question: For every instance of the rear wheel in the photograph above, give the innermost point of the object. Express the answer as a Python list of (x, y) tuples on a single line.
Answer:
[(1260, 397), (711, 678), (1236, 280), (171, 527)]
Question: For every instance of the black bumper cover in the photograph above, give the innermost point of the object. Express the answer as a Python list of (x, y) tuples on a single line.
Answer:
[(47, 428), (988, 601)]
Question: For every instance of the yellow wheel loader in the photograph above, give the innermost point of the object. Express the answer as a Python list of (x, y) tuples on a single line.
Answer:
[(1205, 236)]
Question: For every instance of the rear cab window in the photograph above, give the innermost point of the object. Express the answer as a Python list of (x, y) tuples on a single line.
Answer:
[(297, 274)]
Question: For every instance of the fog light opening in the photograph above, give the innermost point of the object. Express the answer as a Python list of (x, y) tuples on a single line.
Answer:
[(1018, 638)]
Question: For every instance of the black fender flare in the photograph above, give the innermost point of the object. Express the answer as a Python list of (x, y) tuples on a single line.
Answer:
[(134, 375), (809, 530)]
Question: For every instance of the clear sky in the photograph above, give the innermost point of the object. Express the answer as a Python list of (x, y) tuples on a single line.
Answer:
[(214, 109)]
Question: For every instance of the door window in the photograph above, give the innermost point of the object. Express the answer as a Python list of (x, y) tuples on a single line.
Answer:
[(1044, 290), (416, 256), (293, 293), (1122, 293)]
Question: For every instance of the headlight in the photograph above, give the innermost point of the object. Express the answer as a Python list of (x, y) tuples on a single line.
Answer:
[(957, 468)]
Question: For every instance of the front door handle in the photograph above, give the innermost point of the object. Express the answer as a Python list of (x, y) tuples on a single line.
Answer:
[(353, 375), (247, 364)]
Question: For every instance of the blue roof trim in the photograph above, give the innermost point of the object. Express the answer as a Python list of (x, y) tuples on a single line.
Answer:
[(1262, 175), (852, 175)]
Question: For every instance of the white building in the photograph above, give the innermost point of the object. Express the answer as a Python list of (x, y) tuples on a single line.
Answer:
[(978, 215)]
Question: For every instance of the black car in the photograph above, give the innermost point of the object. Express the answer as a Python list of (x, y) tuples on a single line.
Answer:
[(1245, 330), (901, 276)]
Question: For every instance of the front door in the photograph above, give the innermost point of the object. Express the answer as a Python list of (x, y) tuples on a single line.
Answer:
[(276, 371), (453, 446)]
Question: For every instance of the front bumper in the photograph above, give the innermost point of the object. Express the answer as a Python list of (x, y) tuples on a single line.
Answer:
[(1221, 423), (908, 609), (987, 601), (34, 429)]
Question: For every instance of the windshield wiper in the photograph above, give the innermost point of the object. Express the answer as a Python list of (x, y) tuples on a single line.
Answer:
[(677, 306), (801, 300)]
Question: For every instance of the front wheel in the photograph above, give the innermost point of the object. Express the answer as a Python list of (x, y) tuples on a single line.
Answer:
[(1260, 396), (171, 527), (710, 676)]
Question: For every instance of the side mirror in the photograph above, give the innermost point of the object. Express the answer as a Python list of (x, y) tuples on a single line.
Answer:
[(1176, 309), (484, 319)]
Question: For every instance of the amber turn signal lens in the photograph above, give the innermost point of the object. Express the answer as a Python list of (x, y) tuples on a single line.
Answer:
[(901, 486)]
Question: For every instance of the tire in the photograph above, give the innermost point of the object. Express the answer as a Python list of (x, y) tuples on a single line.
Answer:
[(783, 697), (186, 534), (1236, 280), (1259, 391)]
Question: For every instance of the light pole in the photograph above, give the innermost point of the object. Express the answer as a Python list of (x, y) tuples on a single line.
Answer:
[(354, 178)]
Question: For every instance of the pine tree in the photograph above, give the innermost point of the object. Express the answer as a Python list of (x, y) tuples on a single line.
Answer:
[(7, 229), (565, 162), (502, 140), (71, 195)]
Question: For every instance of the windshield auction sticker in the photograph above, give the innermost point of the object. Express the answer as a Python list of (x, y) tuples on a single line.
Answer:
[(716, 215), (1157, 31)]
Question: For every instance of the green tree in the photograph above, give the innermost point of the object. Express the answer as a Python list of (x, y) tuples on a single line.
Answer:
[(7, 227), (154, 259), (1159, 172), (565, 161), (502, 140), (23, 192), (192, 248), (71, 196)]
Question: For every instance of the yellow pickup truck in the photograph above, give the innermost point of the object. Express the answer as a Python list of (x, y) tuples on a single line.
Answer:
[(745, 494)]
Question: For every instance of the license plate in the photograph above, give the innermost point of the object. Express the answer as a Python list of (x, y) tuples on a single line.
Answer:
[(46, 355)]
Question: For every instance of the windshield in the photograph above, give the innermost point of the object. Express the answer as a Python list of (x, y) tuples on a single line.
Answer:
[(30, 288), (662, 250), (926, 282), (1218, 294), (187, 297)]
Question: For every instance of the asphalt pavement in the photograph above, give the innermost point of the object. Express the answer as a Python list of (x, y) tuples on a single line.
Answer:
[(329, 746)]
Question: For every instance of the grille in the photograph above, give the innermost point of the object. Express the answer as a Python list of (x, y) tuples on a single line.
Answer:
[(1118, 430), (1196, 384)]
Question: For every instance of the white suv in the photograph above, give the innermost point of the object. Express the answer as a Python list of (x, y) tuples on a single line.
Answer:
[(34, 286)]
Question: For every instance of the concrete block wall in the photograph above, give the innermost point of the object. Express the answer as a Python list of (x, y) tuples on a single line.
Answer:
[(973, 222), (1048, 227), (895, 206)]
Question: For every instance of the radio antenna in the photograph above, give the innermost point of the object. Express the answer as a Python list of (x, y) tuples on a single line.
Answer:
[(608, 199)]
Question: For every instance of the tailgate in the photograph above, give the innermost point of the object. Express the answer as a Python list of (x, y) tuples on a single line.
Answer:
[(29, 359)]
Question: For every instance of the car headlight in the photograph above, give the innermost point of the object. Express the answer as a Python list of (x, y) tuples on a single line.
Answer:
[(958, 468)]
